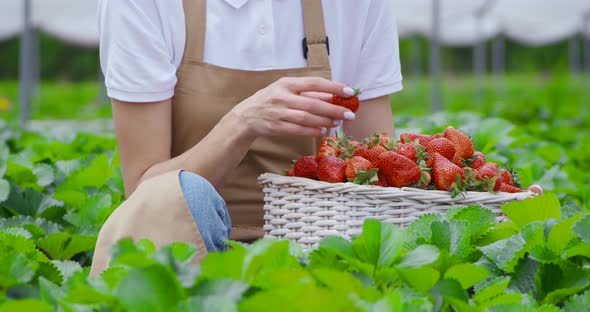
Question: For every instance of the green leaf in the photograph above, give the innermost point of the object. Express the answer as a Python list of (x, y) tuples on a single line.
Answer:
[(582, 229), (231, 290), (15, 269), (523, 279), (339, 245), (478, 219), (92, 214), (490, 289), (561, 234), (94, 175), (25, 305), (504, 301), (151, 288), (51, 292), (420, 229), (296, 298), (467, 274), (448, 288), (538, 208), (30, 202), (501, 231), (338, 281), (63, 246), (67, 268), (421, 256), (44, 174), (506, 253), (380, 244), (453, 237), (4, 190), (34, 226), (421, 279), (576, 248), (578, 303), (570, 208), (16, 231), (228, 264), (265, 256), (555, 282), (209, 303)]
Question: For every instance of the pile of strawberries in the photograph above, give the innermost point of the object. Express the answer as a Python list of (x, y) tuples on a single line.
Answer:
[(444, 161)]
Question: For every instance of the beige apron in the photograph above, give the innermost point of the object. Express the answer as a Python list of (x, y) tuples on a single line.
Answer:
[(204, 94)]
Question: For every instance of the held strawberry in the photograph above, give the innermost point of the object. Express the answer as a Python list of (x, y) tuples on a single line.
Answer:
[(332, 169), (306, 167), (352, 103)]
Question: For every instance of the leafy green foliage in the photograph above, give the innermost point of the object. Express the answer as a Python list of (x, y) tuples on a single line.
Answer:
[(56, 192)]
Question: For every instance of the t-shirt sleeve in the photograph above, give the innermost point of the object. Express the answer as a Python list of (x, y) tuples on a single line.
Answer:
[(379, 70), (135, 58)]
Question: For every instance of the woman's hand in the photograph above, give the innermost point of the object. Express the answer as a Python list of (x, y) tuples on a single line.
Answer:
[(293, 106)]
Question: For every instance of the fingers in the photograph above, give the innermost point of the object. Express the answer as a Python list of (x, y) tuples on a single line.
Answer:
[(307, 119), (318, 95), (318, 107), (289, 128), (316, 84)]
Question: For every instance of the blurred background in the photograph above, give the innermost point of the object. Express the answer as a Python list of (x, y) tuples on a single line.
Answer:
[(455, 54)]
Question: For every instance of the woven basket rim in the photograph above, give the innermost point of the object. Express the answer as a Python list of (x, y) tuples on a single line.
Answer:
[(348, 187)]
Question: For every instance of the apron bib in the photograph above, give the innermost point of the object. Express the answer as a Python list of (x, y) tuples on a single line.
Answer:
[(204, 94)]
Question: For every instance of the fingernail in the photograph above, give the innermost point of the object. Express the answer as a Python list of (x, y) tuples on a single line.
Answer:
[(324, 130), (349, 115), (337, 123), (348, 91)]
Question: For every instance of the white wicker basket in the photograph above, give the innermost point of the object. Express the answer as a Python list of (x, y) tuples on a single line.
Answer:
[(305, 210)]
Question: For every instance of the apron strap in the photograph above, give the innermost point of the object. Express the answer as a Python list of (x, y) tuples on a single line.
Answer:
[(195, 12), (315, 44)]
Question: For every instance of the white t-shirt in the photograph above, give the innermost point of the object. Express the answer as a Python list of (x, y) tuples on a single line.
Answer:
[(142, 42)]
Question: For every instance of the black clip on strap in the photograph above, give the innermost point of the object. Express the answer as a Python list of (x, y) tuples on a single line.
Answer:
[(305, 49)]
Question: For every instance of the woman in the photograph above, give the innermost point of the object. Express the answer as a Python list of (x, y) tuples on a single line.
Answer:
[(207, 95)]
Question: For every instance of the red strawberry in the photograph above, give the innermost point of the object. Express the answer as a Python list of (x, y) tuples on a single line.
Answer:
[(398, 170), (461, 142), (508, 188), (444, 172), (408, 150), (478, 160), (306, 167), (290, 173), (354, 164), (328, 147), (332, 169), (438, 136), (505, 176), (384, 140), (457, 160), (442, 146), (351, 103), (489, 170), (423, 139), (382, 179), (370, 153)]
